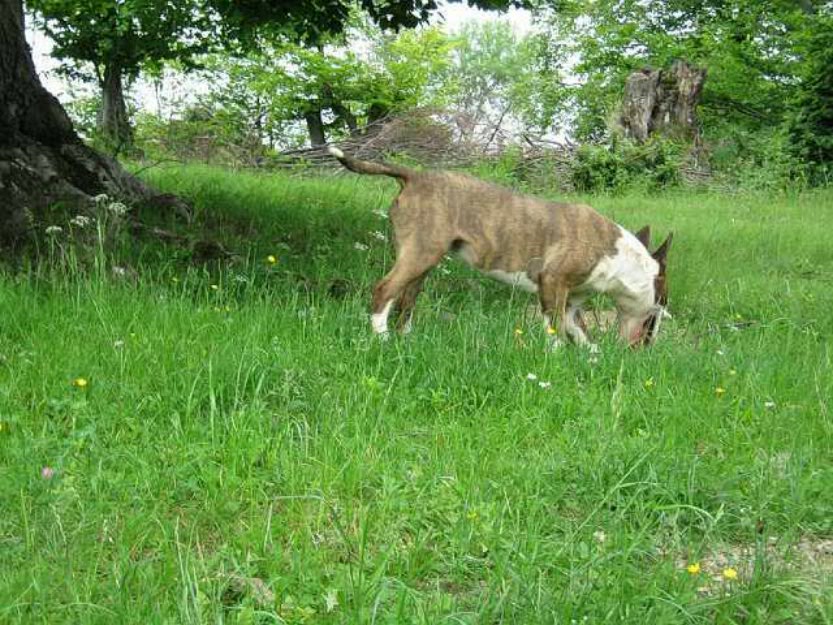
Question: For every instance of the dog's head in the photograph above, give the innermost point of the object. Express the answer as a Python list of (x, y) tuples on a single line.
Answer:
[(650, 326)]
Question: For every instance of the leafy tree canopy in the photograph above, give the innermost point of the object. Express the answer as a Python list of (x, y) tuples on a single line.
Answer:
[(312, 22), (753, 50), (127, 34)]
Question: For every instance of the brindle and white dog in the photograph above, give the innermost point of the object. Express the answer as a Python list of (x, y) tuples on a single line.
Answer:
[(563, 252)]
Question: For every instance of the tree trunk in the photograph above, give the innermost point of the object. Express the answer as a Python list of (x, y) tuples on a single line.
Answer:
[(662, 102), (346, 115), (315, 126), (113, 120), (377, 113), (42, 160)]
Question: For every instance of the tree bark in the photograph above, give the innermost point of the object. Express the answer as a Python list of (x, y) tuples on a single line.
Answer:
[(42, 159), (346, 115), (662, 102), (377, 113), (315, 126), (113, 120)]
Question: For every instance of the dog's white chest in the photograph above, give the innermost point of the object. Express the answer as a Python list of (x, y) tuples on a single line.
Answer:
[(516, 279)]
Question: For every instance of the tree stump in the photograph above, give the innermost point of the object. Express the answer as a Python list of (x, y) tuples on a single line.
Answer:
[(662, 101)]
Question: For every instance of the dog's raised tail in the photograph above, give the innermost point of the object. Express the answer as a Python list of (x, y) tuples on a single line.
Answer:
[(367, 167)]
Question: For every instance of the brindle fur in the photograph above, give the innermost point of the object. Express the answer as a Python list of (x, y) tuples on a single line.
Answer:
[(557, 245)]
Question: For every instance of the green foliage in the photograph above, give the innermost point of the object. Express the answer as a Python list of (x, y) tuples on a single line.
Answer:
[(497, 75), (811, 120), (316, 22), (759, 160), (252, 435), (625, 164), (266, 91), (751, 49), (126, 35)]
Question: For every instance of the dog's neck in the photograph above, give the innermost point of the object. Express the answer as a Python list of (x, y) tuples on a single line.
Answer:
[(629, 277)]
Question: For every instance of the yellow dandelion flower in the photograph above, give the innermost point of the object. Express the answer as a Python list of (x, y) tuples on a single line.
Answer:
[(472, 515), (733, 372), (649, 383), (693, 568), (215, 287), (518, 332), (271, 259), (730, 573), (720, 391), (551, 330), (80, 382)]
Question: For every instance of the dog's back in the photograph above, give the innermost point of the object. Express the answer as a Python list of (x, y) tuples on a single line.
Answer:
[(495, 229)]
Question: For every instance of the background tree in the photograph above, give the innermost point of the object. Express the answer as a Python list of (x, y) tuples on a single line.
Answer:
[(811, 120), (498, 79), (42, 159), (331, 90), (751, 50), (110, 41)]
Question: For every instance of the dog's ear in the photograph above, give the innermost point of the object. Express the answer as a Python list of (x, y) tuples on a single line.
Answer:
[(661, 252), (644, 236)]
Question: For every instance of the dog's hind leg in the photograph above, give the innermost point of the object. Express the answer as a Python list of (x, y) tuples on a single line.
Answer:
[(397, 286), (406, 303)]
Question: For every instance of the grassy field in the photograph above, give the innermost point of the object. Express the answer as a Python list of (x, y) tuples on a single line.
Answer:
[(243, 451)]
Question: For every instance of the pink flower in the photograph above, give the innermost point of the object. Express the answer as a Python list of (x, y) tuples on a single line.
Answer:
[(47, 473)]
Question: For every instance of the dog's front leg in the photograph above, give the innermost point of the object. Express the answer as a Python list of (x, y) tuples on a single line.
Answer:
[(405, 306), (553, 294), (575, 327)]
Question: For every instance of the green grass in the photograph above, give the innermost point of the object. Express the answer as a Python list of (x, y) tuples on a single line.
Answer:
[(257, 431)]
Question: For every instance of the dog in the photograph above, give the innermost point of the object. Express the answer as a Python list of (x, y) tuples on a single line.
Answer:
[(563, 252)]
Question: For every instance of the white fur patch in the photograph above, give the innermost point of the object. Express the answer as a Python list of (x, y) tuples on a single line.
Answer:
[(335, 152), (628, 276), (516, 279), (379, 321)]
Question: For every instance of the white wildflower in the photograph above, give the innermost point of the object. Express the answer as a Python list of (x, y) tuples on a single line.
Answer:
[(381, 214), (599, 536), (119, 271), (80, 221), (376, 234), (52, 230), (360, 246), (545, 385), (117, 208), (531, 376), (769, 405), (101, 198), (118, 344)]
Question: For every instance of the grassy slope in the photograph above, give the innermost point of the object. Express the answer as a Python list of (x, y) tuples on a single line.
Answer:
[(256, 429)]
